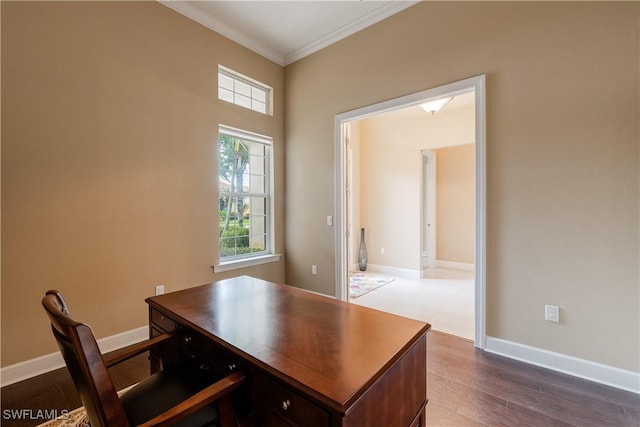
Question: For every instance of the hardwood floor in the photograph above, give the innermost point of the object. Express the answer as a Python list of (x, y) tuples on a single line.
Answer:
[(55, 391), (470, 387), (466, 387)]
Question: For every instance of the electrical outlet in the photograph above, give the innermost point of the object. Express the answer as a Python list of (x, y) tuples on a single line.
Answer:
[(314, 269), (381, 251), (552, 313), (159, 289)]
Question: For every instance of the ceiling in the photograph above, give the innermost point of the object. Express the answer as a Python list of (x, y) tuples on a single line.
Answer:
[(461, 100), (286, 31), (403, 116)]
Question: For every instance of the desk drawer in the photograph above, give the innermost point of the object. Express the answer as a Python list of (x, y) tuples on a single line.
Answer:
[(291, 408), (160, 321), (209, 354)]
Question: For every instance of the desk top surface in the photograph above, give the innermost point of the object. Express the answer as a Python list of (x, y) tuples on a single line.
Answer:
[(334, 349)]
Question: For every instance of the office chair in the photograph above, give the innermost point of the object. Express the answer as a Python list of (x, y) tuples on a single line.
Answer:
[(177, 395)]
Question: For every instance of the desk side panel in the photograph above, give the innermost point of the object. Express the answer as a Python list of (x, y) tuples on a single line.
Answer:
[(398, 396)]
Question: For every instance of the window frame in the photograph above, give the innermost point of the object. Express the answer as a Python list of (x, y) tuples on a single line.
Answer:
[(251, 258), (252, 83)]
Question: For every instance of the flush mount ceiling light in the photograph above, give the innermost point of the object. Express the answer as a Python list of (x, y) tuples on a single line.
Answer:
[(434, 106)]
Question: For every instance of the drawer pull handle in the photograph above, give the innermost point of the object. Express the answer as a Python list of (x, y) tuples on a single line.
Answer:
[(232, 367), (286, 404), (187, 340)]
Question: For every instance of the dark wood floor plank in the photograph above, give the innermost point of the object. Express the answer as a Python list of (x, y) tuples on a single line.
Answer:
[(55, 390), (466, 387), (485, 407), (564, 405), (440, 416), (541, 396), (589, 389)]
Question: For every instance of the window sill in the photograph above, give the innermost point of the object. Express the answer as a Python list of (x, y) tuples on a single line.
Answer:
[(246, 262)]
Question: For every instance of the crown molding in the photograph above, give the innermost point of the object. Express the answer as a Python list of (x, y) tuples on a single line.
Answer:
[(221, 28), (373, 17), (279, 58)]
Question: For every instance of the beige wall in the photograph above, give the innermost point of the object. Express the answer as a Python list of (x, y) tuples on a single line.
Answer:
[(390, 200), (562, 156), (109, 138), (455, 204), (391, 180), (108, 158)]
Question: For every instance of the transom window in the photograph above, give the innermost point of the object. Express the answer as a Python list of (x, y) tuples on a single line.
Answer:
[(244, 177), (243, 91)]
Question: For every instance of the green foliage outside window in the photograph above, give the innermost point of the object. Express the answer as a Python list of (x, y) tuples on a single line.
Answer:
[(236, 159)]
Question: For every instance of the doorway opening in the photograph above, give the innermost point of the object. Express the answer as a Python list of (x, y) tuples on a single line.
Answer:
[(345, 234)]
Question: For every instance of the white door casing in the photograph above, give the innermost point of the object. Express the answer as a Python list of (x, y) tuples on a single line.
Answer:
[(428, 206), (475, 84)]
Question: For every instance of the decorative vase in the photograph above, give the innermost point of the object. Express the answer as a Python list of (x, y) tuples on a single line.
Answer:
[(362, 254)]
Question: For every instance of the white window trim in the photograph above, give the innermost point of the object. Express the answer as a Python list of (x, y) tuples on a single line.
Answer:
[(262, 258), (235, 264), (251, 82)]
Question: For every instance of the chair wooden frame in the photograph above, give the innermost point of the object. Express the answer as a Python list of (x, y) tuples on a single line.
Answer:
[(89, 371)]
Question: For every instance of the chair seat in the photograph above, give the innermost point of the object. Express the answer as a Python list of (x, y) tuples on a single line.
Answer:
[(166, 389)]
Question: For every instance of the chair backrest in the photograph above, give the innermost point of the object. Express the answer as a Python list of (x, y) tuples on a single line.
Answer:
[(86, 366)]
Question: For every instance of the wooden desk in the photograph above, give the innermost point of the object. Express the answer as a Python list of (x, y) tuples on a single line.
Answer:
[(310, 360)]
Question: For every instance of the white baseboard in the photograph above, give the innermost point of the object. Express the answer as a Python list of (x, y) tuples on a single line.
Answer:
[(456, 265), (395, 271), (40, 365), (413, 274), (603, 374)]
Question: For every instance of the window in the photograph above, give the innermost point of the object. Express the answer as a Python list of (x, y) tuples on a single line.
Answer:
[(243, 91), (244, 180)]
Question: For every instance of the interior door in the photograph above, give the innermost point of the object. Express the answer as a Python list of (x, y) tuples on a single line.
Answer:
[(350, 243), (428, 254)]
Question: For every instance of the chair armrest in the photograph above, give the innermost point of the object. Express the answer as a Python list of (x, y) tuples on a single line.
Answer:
[(215, 391), (128, 352)]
